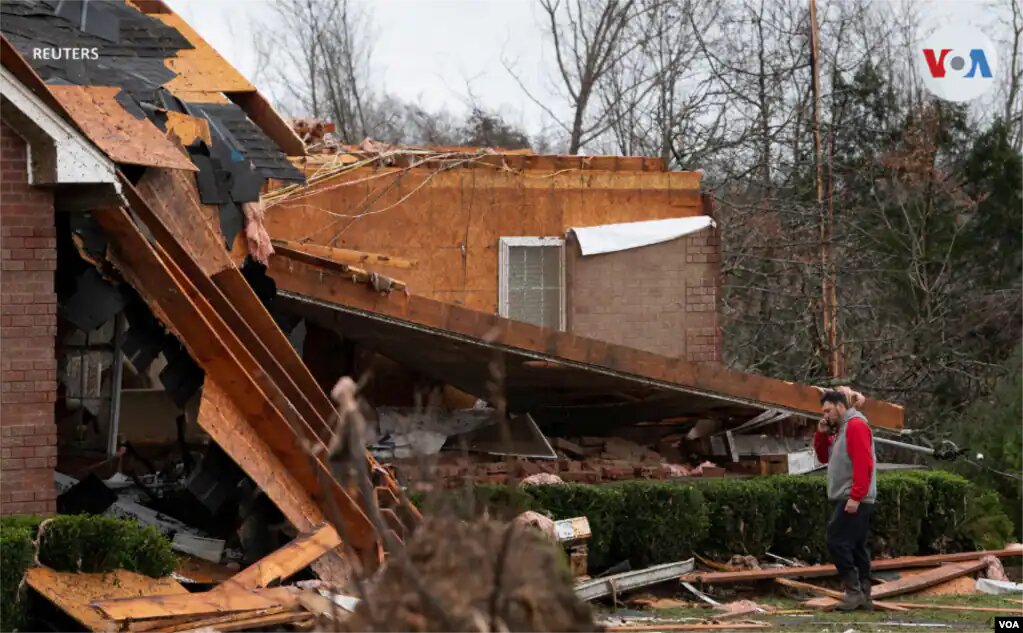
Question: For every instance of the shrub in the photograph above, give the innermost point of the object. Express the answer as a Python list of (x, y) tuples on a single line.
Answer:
[(661, 522), (601, 505), (947, 497), (16, 551), (103, 543), (899, 514), (742, 514), (803, 514), (986, 525)]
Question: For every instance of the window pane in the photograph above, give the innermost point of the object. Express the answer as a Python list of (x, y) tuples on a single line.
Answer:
[(533, 282)]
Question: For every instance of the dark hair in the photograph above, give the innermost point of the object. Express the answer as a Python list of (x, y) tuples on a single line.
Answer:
[(834, 397)]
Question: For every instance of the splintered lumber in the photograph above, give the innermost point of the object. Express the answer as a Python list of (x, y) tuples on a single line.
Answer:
[(72, 592), (233, 621), (830, 594), (952, 607), (689, 627), (343, 255), (207, 603), (812, 571), (289, 559), (929, 578)]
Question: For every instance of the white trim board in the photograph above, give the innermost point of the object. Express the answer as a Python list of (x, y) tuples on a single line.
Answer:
[(58, 153)]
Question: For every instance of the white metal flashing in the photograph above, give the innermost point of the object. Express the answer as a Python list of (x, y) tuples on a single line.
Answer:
[(608, 238)]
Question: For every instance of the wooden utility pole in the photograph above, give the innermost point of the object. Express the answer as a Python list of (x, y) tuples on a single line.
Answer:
[(829, 302)]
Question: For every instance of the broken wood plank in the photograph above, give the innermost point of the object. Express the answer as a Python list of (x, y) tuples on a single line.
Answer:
[(812, 571), (236, 304), (830, 593), (267, 417), (191, 623), (73, 592), (929, 578), (206, 603), (730, 626), (343, 255), (295, 618), (952, 607), (286, 561)]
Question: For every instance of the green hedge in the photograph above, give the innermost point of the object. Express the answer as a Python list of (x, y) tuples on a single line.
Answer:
[(650, 522), (16, 551), (660, 522), (75, 543), (743, 515), (803, 513), (601, 505)]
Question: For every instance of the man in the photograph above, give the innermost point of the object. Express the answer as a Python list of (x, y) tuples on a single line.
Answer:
[(852, 487)]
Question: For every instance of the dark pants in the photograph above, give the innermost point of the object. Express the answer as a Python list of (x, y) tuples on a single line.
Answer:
[(849, 539)]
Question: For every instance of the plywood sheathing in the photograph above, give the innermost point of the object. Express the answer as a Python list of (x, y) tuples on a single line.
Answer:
[(200, 69), (712, 381), (173, 196), (73, 593), (188, 129), (453, 219), (122, 137)]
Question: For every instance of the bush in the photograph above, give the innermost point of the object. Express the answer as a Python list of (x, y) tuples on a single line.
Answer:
[(16, 551), (947, 498), (601, 505), (899, 514), (986, 525), (803, 515), (661, 522), (742, 514)]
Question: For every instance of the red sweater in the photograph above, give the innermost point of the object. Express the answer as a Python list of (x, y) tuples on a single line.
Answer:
[(857, 442)]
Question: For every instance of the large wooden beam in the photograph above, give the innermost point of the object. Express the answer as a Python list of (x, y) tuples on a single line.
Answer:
[(217, 350), (564, 347), (169, 206)]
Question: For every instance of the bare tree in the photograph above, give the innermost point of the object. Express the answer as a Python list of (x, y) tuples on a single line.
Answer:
[(588, 41)]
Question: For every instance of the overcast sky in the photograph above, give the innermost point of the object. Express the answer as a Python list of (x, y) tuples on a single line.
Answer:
[(424, 50), (427, 50)]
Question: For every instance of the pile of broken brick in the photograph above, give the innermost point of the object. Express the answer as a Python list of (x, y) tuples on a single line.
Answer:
[(582, 460)]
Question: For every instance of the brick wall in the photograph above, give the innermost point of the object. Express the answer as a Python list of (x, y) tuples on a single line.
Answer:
[(661, 298), (28, 327)]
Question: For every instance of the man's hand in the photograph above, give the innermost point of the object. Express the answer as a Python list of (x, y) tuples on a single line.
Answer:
[(852, 506), (824, 427)]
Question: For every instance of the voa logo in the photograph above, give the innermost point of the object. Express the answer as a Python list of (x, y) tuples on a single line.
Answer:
[(957, 63), (1008, 623)]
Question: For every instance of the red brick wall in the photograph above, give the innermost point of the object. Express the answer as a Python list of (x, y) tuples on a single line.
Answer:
[(28, 327), (661, 298)]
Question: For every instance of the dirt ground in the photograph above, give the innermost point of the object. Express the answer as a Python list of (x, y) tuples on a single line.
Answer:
[(478, 576)]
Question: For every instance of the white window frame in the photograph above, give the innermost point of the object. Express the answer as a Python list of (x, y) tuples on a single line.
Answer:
[(504, 244)]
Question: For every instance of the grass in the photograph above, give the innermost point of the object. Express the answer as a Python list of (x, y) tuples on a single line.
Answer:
[(875, 622)]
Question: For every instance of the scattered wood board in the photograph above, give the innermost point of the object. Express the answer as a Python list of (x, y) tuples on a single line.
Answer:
[(287, 560), (929, 578), (240, 621), (812, 571), (953, 607), (189, 622), (72, 593), (831, 594), (207, 603), (729, 626)]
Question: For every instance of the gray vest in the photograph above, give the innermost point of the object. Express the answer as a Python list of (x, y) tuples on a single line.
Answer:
[(840, 466)]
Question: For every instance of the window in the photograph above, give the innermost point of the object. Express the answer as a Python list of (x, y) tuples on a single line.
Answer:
[(532, 280)]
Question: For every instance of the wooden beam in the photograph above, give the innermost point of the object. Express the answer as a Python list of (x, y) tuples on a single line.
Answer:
[(205, 603), (709, 380), (344, 255), (237, 304), (724, 626), (286, 561), (259, 110), (929, 578), (812, 571), (830, 594), (216, 349)]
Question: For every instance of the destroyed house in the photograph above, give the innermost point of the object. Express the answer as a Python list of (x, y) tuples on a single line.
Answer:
[(183, 283)]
